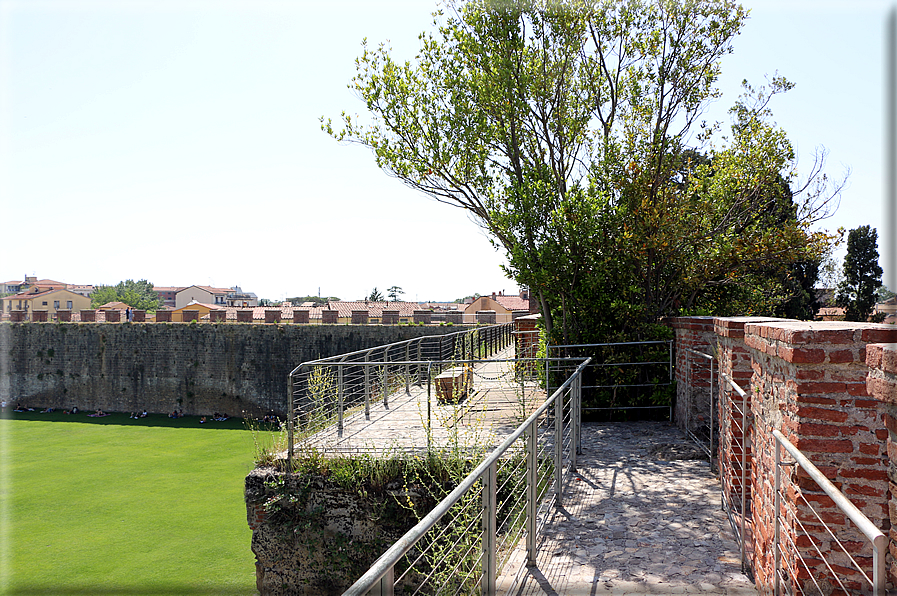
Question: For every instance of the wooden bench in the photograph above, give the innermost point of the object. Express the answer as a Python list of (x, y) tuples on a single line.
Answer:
[(453, 385)]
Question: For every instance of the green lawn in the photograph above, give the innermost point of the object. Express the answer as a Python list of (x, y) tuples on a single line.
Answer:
[(117, 506)]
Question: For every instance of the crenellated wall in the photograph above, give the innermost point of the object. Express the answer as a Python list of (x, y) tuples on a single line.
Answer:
[(200, 368), (830, 389)]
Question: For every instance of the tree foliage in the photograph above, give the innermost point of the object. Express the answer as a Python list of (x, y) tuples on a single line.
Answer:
[(375, 295), (394, 292), (136, 294), (572, 132), (862, 274)]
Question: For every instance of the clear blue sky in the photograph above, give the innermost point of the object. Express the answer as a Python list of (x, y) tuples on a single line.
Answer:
[(179, 141)]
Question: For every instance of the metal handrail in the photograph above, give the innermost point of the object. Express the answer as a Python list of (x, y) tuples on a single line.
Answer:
[(382, 567), (669, 362), (864, 524), (327, 359), (743, 482)]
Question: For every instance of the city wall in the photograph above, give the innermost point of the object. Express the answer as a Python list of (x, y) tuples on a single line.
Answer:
[(830, 389), (199, 368)]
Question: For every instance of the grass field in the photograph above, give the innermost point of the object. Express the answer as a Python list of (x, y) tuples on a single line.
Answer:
[(119, 506)]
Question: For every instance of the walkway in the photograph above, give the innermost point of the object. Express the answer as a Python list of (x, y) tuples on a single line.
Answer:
[(636, 519), (495, 408)]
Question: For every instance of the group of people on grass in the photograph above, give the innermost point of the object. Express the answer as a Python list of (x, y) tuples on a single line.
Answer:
[(138, 415), (216, 417)]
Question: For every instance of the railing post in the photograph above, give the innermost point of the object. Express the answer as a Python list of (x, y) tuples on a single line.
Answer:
[(532, 491), (879, 572), (339, 394), (429, 417), (487, 584), (576, 417), (367, 386), (777, 553), (385, 586), (711, 414), (558, 448), (407, 369), (744, 439), (386, 378), (289, 411)]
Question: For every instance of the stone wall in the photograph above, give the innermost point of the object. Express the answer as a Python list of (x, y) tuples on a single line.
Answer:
[(160, 367), (319, 538)]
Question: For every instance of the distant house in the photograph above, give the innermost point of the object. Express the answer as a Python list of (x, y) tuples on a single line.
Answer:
[(10, 287), (167, 295), (84, 290), (830, 313), (203, 295), (51, 301), (177, 315), (503, 305), (240, 299)]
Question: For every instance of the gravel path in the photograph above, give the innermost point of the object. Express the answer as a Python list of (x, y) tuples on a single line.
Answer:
[(642, 515)]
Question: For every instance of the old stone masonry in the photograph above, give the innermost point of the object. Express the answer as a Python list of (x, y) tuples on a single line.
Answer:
[(642, 515)]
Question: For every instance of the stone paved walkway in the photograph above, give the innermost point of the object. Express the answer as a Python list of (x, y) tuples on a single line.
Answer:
[(635, 520)]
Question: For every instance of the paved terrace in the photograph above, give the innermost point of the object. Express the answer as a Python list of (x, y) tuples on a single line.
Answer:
[(641, 515)]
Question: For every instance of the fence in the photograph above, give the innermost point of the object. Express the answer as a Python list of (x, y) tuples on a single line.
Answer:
[(462, 545), (699, 400), (812, 565), (323, 392), (735, 462), (628, 373)]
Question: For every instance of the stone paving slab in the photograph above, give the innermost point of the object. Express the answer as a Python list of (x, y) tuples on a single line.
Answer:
[(635, 519)]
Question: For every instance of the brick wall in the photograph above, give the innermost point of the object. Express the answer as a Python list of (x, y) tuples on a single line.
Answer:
[(692, 381), (881, 384), (826, 389)]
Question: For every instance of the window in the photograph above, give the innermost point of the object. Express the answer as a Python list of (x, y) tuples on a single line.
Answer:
[(44, 303), (68, 305), (56, 305)]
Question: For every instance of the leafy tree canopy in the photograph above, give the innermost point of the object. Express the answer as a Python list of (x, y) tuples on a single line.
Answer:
[(862, 274), (572, 132), (136, 294), (375, 295), (296, 300), (394, 292)]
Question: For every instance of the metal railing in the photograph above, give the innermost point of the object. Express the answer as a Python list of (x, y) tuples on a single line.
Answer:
[(463, 543), (321, 393), (621, 358), (700, 367), (735, 462), (822, 568)]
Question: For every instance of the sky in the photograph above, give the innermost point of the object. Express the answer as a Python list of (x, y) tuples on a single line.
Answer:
[(179, 142)]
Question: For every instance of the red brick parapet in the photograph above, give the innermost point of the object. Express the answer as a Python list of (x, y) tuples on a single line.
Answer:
[(809, 382), (881, 385)]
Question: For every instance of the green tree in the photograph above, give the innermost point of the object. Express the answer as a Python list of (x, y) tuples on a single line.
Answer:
[(883, 293), (562, 127), (394, 292), (375, 295), (862, 274), (136, 294)]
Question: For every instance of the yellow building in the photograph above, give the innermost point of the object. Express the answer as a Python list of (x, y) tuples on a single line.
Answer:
[(51, 301)]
